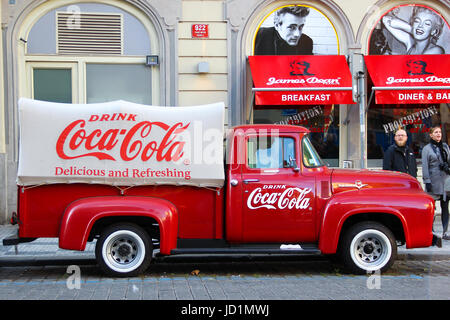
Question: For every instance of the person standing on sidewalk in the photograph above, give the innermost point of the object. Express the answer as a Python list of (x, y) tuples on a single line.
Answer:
[(435, 162), (400, 157)]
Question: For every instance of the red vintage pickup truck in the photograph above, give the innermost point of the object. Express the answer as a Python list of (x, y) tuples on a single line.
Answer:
[(271, 193)]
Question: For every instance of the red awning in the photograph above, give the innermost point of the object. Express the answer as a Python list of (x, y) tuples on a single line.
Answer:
[(301, 80), (410, 79)]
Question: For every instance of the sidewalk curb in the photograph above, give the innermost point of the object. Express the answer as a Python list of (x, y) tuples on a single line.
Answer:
[(21, 261), (42, 252), (428, 256)]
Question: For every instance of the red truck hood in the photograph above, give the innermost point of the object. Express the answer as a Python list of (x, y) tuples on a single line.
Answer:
[(347, 179)]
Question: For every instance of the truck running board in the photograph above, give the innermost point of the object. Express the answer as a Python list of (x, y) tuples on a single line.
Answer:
[(15, 240), (185, 247)]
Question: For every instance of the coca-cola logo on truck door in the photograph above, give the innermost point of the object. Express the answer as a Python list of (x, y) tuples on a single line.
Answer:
[(279, 197)]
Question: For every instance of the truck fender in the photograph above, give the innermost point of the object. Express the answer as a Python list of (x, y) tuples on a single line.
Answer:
[(344, 205), (80, 216)]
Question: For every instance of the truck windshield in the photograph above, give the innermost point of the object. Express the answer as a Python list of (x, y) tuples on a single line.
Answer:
[(310, 156)]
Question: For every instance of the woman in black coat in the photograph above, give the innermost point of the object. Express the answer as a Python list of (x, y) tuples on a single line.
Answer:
[(435, 162)]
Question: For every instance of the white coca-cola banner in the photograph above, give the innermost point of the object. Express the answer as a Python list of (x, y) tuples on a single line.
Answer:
[(120, 143)]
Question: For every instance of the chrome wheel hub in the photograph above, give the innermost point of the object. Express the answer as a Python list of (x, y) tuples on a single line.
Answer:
[(123, 251), (370, 250)]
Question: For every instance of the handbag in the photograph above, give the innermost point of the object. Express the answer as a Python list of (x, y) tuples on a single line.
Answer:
[(446, 191), (446, 187)]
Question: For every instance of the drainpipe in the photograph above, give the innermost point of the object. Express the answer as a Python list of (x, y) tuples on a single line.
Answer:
[(360, 75), (362, 116)]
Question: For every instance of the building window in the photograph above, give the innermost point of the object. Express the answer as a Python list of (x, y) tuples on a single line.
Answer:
[(322, 121), (416, 120), (106, 82), (270, 152), (52, 85), (90, 53)]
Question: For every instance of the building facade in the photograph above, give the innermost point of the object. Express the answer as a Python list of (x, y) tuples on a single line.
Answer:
[(187, 52)]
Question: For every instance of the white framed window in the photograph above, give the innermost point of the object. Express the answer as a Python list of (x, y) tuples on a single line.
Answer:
[(89, 52), (56, 81)]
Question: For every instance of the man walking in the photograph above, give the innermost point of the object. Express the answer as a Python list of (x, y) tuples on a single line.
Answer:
[(400, 157)]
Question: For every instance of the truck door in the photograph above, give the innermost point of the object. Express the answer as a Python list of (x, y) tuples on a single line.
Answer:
[(278, 202)]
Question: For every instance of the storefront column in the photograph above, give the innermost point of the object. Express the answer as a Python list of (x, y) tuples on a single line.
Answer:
[(2, 131), (362, 103), (236, 13), (2, 110)]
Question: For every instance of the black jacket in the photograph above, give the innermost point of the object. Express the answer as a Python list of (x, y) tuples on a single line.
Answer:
[(400, 159), (268, 42)]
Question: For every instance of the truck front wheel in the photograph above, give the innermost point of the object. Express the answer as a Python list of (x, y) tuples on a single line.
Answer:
[(123, 250), (367, 247)]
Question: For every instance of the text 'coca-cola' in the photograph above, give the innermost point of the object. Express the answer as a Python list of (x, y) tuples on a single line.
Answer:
[(140, 141)]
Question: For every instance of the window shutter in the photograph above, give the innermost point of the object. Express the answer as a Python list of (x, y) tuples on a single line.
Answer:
[(89, 33)]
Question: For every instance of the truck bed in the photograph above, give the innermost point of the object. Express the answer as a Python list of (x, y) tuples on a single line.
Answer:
[(41, 208)]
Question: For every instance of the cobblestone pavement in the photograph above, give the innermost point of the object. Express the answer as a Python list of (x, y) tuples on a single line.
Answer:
[(235, 279), (39, 270)]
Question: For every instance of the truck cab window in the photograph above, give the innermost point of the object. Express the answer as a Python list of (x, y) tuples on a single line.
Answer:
[(266, 152), (310, 156)]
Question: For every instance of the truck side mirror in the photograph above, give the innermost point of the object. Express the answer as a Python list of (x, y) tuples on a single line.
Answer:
[(293, 164)]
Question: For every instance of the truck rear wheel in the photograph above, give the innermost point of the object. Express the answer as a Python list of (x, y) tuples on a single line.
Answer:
[(368, 247), (123, 250)]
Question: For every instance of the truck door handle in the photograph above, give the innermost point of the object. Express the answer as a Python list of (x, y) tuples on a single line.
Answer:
[(247, 181)]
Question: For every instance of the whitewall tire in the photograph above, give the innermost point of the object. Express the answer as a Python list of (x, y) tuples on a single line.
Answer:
[(368, 247), (124, 250)]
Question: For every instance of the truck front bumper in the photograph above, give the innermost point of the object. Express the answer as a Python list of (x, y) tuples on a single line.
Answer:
[(437, 241)]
